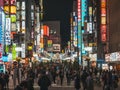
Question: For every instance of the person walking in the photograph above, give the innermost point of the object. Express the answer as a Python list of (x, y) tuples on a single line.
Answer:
[(90, 82), (77, 82), (83, 79), (61, 76), (6, 77), (44, 81)]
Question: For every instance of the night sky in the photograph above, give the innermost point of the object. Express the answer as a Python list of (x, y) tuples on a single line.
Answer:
[(59, 10)]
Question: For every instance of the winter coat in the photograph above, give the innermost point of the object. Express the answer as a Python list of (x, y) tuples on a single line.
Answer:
[(44, 82), (90, 83), (77, 82)]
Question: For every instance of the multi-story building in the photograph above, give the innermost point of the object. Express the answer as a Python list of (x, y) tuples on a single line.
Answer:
[(54, 36)]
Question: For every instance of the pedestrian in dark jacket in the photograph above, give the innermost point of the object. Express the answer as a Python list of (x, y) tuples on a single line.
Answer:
[(30, 83), (89, 82), (77, 82), (2, 82), (6, 77), (83, 79), (61, 76), (18, 87), (44, 82)]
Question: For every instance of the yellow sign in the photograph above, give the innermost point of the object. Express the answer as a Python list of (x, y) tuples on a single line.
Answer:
[(13, 9), (6, 8), (92, 44), (29, 47)]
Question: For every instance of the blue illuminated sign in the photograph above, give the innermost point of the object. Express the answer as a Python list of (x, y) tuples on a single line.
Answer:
[(5, 58), (84, 10), (1, 25)]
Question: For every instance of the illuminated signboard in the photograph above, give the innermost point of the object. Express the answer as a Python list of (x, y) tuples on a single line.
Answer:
[(18, 25), (23, 24), (115, 56), (12, 2), (90, 10), (32, 15), (23, 51), (1, 32), (18, 15), (84, 11), (23, 15), (103, 21), (6, 8), (79, 29), (23, 5), (2, 21), (13, 9), (18, 5), (56, 47), (13, 18), (14, 52), (103, 3), (103, 12), (46, 30), (103, 28), (13, 26), (107, 57), (7, 31), (49, 42)]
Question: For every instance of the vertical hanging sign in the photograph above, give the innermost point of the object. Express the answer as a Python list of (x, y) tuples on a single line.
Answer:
[(13, 52), (103, 21), (1, 34), (79, 30), (7, 32)]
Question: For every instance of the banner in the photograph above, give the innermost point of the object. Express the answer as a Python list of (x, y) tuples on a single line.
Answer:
[(13, 52)]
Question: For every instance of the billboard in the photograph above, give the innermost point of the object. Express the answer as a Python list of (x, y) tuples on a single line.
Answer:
[(115, 56), (56, 47), (103, 21), (79, 44), (46, 30), (8, 31)]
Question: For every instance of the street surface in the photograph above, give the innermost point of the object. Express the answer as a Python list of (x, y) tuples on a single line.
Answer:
[(57, 87)]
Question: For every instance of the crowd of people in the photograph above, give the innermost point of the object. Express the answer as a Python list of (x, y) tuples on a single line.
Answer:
[(48, 75)]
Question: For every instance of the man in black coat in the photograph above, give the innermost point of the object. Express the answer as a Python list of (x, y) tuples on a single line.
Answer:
[(77, 82), (44, 82)]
